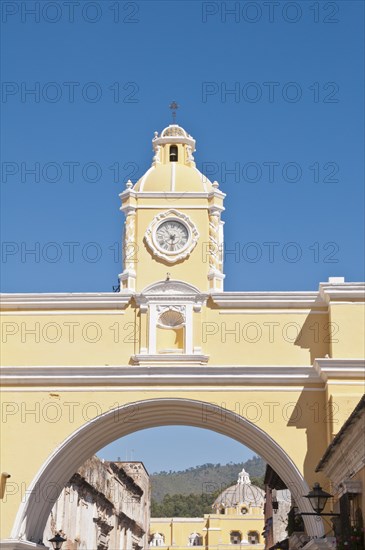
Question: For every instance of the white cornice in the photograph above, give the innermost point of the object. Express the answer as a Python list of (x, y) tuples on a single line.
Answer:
[(172, 360), (331, 292), (340, 368), (67, 301), (225, 300), (173, 292), (302, 299), (148, 373), (169, 195)]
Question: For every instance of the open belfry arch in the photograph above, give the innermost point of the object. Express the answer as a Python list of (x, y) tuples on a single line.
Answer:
[(279, 372)]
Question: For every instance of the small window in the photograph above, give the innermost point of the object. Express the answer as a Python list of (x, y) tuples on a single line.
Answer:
[(235, 537), (253, 537), (173, 153), (195, 539), (157, 540)]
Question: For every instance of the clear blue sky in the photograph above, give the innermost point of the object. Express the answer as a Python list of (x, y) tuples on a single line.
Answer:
[(176, 448), (190, 52), (105, 73)]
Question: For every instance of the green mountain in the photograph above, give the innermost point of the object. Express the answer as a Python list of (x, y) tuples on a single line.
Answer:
[(208, 479)]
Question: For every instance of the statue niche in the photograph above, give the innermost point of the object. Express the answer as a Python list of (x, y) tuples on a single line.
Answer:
[(170, 333)]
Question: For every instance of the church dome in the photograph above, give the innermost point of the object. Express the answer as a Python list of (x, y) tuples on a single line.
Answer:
[(174, 130), (243, 493), (173, 168)]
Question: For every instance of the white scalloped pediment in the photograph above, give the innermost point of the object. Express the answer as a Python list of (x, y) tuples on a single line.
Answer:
[(170, 288)]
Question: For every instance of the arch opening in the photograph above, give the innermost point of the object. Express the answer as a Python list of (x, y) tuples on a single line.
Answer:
[(124, 420), (173, 153)]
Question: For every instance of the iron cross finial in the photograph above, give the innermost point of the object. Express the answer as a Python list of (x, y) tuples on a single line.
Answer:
[(174, 106)]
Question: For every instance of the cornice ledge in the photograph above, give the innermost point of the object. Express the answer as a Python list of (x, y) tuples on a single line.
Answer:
[(67, 301), (171, 359), (342, 291), (161, 370), (269, 299), (127, 193), (166, 194), (328, 368)]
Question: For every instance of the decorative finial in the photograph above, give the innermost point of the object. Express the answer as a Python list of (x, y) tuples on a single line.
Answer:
[(174, 106), (129, 184), (215, 184), (167, 277)]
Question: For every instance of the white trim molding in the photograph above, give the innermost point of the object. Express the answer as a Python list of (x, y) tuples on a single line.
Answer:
[(66, 301), (160, 370), (172, 359), (353, 369), (303, 299), (316, 302), (171, 291), (332, 292)]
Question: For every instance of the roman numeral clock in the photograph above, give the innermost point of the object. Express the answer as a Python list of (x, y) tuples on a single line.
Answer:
[(171, 236)]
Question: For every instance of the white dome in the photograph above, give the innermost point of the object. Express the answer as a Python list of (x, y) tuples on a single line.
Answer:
[(240, 494)]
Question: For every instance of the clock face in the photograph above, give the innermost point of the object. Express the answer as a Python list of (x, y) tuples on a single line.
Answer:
[(172, 236)]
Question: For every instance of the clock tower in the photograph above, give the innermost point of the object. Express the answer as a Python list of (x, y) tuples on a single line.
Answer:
[(173, 228)]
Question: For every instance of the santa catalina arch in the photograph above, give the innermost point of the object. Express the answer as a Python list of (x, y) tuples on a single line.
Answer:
[(278, 371)]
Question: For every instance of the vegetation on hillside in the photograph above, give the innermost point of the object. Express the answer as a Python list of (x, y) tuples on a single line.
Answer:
[(191, 492), (183, 506)]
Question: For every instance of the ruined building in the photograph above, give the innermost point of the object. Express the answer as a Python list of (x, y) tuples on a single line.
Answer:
[(105, 505)]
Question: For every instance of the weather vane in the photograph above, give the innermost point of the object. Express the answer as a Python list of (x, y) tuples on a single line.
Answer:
[(174, 106)]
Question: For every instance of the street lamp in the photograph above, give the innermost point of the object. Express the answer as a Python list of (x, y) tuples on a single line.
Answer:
[(57, 541), (318, 499)]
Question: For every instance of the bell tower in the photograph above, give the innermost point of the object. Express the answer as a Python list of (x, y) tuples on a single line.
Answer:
[(173, 228)]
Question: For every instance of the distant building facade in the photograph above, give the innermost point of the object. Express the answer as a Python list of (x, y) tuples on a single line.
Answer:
[(105, 506), (237, 519)]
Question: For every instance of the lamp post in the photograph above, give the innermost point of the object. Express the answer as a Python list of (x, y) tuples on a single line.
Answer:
[(318, 499), (57, 541)]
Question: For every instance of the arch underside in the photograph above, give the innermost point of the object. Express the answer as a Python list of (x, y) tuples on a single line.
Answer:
[(122, 421)]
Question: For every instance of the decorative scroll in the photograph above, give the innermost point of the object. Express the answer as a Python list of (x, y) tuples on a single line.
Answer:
[(130, 247), (215, 260)]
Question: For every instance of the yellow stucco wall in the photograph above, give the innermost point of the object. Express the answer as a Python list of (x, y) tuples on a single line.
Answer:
[(214, 529), (282, 338), (348, 329)]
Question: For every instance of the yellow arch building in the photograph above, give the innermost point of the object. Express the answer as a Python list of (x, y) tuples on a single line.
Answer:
[(277, 371)]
